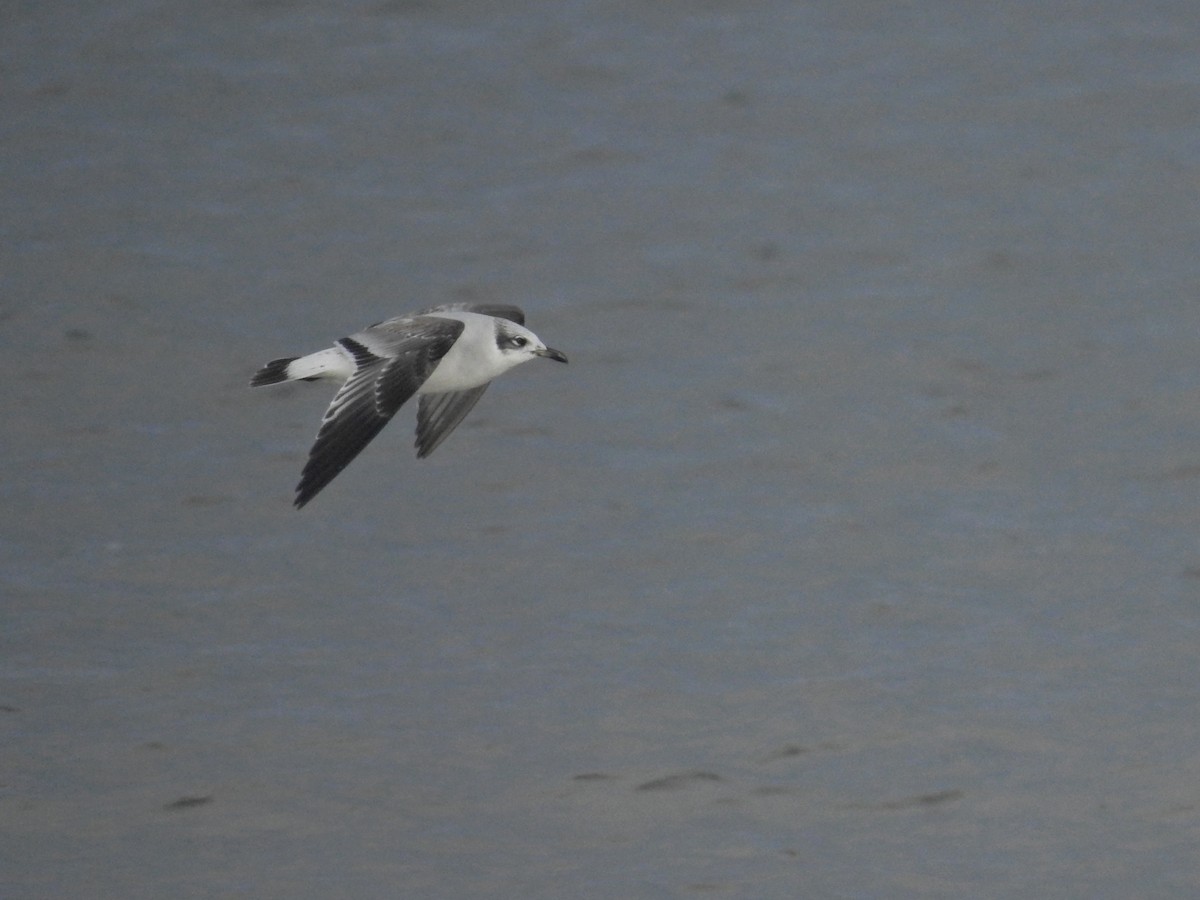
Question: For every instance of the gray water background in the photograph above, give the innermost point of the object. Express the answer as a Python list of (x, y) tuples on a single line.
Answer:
[(854, 555)]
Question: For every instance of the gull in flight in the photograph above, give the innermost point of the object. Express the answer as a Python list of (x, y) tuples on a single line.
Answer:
[(448, 355)]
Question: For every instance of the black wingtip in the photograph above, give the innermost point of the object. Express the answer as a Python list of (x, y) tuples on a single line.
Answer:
[(273, 372), (310, 486), (307, 489)]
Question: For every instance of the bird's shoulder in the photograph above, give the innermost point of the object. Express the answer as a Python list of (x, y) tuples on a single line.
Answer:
[(408, 334)]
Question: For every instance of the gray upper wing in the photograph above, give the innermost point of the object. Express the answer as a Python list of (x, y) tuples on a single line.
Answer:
[(439, 414), (499, 310), (392, 364)]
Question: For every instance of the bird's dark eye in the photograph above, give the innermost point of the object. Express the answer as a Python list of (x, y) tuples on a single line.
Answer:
[(519, 341)]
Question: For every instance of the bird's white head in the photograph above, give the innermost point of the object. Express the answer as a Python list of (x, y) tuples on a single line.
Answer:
[(518, 344)]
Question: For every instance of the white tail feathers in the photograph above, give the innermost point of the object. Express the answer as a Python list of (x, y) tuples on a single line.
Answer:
[(333, 363)]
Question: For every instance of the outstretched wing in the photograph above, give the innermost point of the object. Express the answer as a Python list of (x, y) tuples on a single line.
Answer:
[(499, 310), (439, 414), (388, 372)]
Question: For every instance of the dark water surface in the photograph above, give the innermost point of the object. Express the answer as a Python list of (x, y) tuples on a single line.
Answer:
[(854, 556)]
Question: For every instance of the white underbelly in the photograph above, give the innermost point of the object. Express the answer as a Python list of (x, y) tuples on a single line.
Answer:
[(471, 361), (458, 371)]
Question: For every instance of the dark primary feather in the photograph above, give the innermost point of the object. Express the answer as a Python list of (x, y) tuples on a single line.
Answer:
[(371, 396)]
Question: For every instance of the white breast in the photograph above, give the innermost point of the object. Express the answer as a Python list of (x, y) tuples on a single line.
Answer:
[(473, 360)]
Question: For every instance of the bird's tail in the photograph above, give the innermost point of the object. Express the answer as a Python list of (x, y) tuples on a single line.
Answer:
[(334, 364), (273, 372)]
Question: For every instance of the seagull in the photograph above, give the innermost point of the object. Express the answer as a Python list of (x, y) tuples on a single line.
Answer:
[(447, 354)]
